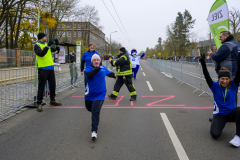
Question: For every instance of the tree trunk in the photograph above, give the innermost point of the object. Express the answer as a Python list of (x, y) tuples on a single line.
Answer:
[(19, 22), (7, 32)]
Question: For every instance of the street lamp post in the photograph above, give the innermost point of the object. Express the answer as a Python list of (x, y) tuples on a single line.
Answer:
[(111, 43)]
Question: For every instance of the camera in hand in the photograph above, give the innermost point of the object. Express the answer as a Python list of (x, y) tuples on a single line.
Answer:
[(55, 41)]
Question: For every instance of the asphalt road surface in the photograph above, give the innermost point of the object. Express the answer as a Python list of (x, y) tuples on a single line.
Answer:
[(167, 122)]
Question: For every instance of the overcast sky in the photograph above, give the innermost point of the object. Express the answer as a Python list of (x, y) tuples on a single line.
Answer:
[(146, 20)]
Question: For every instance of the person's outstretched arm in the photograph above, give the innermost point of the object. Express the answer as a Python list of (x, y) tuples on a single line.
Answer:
[(205, 71), (93, 72), (142, 55), (110, 74)]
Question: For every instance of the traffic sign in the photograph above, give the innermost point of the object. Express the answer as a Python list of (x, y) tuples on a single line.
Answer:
[(214, 48)]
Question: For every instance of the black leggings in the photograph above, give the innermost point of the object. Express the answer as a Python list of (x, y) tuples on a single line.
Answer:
[(94, 107), (219, 122)]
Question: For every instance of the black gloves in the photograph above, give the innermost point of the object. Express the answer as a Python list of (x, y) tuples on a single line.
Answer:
[(50, 43), (112, 75), (202, 58)]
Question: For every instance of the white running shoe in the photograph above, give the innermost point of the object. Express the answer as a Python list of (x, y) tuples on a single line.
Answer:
[(235, 141), (94, 135)]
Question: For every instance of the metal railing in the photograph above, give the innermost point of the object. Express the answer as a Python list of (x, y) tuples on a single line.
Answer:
[(27, 58), (7, 58), (189, 73), (17, 86)]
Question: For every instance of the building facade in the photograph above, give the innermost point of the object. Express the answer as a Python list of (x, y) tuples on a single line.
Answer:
[(82, 31)]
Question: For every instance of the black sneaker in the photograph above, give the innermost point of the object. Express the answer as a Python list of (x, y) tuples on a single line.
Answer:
[(55, 103), (112, 97), (39, 108), (133, 98)]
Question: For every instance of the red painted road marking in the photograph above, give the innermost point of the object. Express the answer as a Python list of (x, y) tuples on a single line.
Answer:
[(137, 107), (115, 100), (168, 97), (131, 103)]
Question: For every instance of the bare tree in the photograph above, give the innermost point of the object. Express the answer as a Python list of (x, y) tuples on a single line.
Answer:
[(235, 23), (90, 16)]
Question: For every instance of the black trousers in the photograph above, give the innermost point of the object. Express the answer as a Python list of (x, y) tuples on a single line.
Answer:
[(127, 81), (43, 76), (94, 107), (219, 122)]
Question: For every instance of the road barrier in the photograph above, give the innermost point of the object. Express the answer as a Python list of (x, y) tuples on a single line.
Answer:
[(189, 73), (18, 90)]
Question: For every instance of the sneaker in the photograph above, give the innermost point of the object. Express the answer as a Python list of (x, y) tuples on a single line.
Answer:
[(55, 103), (133, 98), (235, 141), (94, 135), (39, 108), (112, 97)]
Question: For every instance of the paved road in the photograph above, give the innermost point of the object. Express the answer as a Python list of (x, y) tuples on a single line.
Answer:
[(167, 122), (190, 73)]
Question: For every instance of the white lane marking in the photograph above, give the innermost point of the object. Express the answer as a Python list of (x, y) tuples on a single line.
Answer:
[(141, 69), (144, 74), (149, 86), (176, 143)]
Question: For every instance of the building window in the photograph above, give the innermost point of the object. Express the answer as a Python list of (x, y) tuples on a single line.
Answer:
[(63, 26), (69, 34), (79, 25), (68, 26), (58, 26), (58, 33), (74, 25), (74, 34), (63, 34), (79, 34)]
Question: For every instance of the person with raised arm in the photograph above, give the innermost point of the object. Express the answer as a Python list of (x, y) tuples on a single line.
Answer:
[(224, 93)]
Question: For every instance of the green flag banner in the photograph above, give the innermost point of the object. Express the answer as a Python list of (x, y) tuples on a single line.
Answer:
[(218, 20)]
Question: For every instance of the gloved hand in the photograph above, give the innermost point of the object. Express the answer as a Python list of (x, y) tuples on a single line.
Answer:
[(202, 58), (50, 43)]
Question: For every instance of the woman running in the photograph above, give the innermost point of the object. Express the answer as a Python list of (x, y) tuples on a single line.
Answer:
[(96, 90), (225, 108)]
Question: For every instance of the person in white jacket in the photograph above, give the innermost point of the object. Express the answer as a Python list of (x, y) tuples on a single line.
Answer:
[(135, 61)]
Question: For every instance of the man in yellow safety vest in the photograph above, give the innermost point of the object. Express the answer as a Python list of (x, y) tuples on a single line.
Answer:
[(45, 63)]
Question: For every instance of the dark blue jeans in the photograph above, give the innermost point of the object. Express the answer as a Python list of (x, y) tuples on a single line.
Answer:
[(94, 107)]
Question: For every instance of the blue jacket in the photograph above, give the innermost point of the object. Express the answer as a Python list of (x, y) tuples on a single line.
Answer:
[(96, 84), (225, 56)]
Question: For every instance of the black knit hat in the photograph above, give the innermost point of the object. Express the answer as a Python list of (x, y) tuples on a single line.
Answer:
[(41, 35), (122, 49)]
